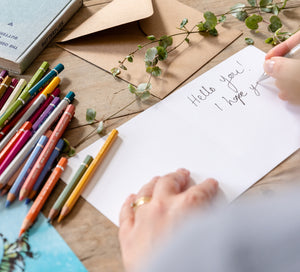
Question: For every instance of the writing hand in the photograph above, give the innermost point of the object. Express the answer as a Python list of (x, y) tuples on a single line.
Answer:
[(170, 198), (285, 70)]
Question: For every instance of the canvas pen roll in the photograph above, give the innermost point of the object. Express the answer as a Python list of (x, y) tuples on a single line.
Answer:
[(8, 92), (44, 156), (5, 151), (58, 148), (17, 147), (15, 189), (43, 195), (45, 114), (25, 96), (22, 155), (41, 98), (69, 188)]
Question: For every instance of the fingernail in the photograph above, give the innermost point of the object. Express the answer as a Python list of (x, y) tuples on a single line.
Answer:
[(184, 171), (269, 66)]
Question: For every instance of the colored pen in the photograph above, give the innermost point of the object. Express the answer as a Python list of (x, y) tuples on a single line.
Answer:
[(3, 74), (69, 188), (45, 114), (45, 104), (4, 85), (13, 97), (15, 189), (87, 175), (41, 98), (25, 96), (8, 92), (43, 195), (19, 144), (58, 148), (44, 156), (5, 151), (16, 118), (22, 155), (292, 53)]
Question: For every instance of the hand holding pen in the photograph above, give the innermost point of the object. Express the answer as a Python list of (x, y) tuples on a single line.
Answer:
[(283, 63)]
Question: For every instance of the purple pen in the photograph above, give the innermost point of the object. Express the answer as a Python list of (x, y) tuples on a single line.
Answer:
[(8, 92), (3, 74), (45, 114)]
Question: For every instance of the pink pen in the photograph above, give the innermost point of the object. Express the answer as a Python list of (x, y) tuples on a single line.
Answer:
[(14, 151)]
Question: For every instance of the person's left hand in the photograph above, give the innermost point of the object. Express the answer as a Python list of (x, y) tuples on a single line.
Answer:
[(168, 199)]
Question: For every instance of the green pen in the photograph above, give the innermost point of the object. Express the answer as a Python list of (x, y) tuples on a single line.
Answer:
[(25, 96), (69, 188)]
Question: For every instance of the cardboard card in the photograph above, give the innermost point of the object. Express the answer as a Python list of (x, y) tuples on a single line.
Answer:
[(117, 29)]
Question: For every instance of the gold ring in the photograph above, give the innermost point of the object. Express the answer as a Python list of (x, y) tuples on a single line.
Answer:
[(140, 201)]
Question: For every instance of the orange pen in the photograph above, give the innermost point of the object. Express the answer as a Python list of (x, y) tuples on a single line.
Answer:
[(26, 126), (43, 195)]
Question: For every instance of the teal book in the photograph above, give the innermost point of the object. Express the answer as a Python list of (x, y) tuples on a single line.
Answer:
[(40, 249), (27, 26)]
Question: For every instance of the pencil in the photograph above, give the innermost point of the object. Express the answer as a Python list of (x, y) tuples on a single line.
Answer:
[(46, 153), (43, 195), (87, 175), (69, 188)]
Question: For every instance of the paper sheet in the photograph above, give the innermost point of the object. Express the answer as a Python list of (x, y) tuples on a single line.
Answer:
[(222, 125)]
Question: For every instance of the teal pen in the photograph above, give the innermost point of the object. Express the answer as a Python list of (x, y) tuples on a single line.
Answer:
[(290, 54), (24, 153), (25, 96), (15, 189)]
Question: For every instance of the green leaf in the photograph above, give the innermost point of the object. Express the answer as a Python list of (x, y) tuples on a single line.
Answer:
[(165, 41), (269, 40), (151, 37), (252, 3), (252, 21), (150, 54), (237, 8), (187, 40), (131, 88), (122, 66), (211, 20), (222, 19), (90, 115), (183, 22), (242, 15), (72, 151), (201, 27), (115, 71), (100, 127), (143, 87), (213, 32), (68, 149), (156, 71), (268, 10), (275, 23), (264, 3), (275, 10), (129, 58), (249, 41), (162, 53), (145, 95), (140, 46)]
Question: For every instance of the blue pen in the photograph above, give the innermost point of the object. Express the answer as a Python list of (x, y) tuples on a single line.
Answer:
[(47, 168), (15, 189)]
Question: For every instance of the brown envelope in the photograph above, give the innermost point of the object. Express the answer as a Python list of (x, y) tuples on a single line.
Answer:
[(114, 31)]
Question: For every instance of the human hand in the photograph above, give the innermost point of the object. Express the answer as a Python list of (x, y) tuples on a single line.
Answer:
[(285, 70), (172, 197)]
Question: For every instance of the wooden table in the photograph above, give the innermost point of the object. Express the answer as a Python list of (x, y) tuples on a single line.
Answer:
[(90, 235)]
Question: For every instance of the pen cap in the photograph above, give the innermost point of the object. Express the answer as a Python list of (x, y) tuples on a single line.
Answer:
[(88, 159), (51, 86), (14, 82), (62, 162), (58, 68), (44, 66), (26, 126), (70, 96), (56, 92)]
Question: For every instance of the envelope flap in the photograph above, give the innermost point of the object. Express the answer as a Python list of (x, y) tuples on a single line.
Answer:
[(116, 13)]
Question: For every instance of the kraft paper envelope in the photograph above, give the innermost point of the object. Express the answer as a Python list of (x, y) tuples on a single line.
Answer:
[(117, 29)]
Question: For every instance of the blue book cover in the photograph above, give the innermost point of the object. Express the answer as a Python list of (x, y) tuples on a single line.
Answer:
[(40, 249), (27, 26)]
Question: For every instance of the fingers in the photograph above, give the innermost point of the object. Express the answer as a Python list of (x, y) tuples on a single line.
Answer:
[(201, 193), (172, 183), (147, 189), (283, 48), (282, 68), (126, 218)]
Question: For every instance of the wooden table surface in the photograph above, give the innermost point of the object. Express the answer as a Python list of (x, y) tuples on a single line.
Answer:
[(90, 235)]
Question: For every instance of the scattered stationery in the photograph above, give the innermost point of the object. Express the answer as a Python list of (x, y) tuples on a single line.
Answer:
[(21, 44), (222, 125), (69, 188), (88, 175)]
